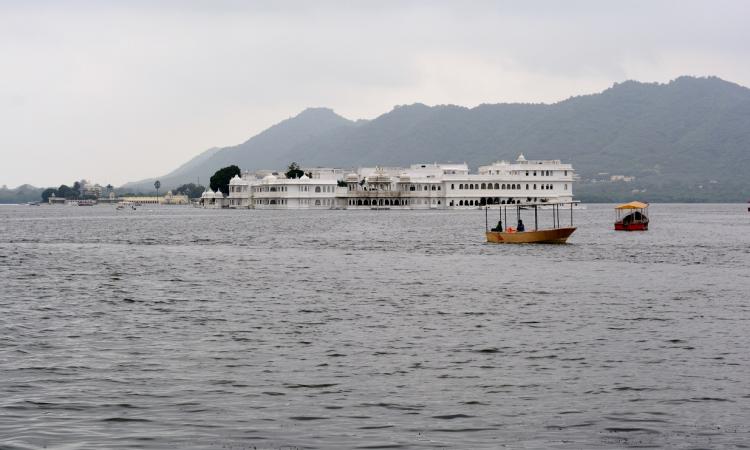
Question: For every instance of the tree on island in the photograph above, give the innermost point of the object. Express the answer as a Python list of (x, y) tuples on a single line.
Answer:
[(220, 180), (192, 190), (294, 171), (65, 191), (47, 193)]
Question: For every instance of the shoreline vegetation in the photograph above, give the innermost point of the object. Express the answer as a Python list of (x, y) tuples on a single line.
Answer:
[(602, 192)]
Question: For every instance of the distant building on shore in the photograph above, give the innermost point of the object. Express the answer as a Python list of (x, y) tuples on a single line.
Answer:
[(168, 199), (420, 186)]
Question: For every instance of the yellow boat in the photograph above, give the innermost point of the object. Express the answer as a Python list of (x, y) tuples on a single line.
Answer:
[(548, 236), (555, 235)]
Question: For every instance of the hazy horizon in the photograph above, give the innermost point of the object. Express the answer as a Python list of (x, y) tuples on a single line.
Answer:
[(116, 93)]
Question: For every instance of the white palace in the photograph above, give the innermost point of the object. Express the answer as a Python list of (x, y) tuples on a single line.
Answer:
[(421, 186)]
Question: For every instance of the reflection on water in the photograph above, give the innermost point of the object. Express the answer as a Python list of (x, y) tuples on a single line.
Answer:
[(176, 327)]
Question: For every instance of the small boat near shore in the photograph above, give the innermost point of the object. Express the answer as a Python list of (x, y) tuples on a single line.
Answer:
[(125, 205), (557, 234)]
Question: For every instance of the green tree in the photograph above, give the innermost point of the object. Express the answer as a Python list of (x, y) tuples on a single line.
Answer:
[(47, 193), (220, 179), (294, 171), (65, 191), (192, 190)]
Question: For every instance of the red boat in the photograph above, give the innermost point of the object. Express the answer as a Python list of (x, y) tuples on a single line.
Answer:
[(631, 217)]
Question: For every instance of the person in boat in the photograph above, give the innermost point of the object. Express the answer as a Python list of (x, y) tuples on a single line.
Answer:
[(520, 226), (499, 226)]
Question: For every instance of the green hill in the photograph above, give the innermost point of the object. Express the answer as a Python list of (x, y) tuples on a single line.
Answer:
[(686, 140)]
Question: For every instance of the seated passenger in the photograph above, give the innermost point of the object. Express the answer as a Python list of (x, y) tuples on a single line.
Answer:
[(499, 226), (520, 226)]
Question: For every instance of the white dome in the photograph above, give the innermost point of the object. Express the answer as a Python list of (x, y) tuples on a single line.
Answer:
[(235, 180), (304, 177), (218, 194), (207, 194), (269, 178), (521, 157)]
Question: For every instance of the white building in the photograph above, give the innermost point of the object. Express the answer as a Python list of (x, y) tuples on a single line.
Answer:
[(523, 181), (240, 194), (421, 186), (318, 192), (211, 199)]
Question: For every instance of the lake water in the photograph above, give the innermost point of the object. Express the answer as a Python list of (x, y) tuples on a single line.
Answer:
[(175, 327)]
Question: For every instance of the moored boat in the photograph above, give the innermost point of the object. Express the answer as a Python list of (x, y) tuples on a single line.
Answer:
[(631, 217)]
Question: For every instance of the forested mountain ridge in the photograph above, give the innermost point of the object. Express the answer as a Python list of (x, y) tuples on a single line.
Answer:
[(686, 140)]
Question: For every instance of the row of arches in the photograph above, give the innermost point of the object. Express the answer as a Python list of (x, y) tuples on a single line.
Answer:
[(499, 186), (484, 201), (389, 202), (486, 186)]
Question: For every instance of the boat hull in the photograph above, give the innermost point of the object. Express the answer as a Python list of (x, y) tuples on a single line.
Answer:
[(631, 226), (550, 236)]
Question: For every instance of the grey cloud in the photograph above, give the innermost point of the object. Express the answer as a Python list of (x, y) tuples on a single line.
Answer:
[(109, 84)]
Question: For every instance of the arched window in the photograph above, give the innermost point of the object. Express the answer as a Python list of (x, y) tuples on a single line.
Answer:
[(503, 187), (484, 186), (497, 186), (425, 187), (317, 188), (534, 186), (460, 186), (452, 187), (461, 203)]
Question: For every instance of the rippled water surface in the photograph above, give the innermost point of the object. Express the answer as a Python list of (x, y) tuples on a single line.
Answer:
[(174, 327)]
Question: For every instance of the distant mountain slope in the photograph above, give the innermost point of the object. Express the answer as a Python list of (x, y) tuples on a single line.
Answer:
[(684, 140), (21, 194), (261, 151)]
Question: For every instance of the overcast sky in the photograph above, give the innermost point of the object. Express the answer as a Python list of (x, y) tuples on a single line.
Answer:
[(119, 91)]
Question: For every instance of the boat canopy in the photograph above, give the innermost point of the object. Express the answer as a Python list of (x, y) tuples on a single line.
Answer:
[(632, 205)]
